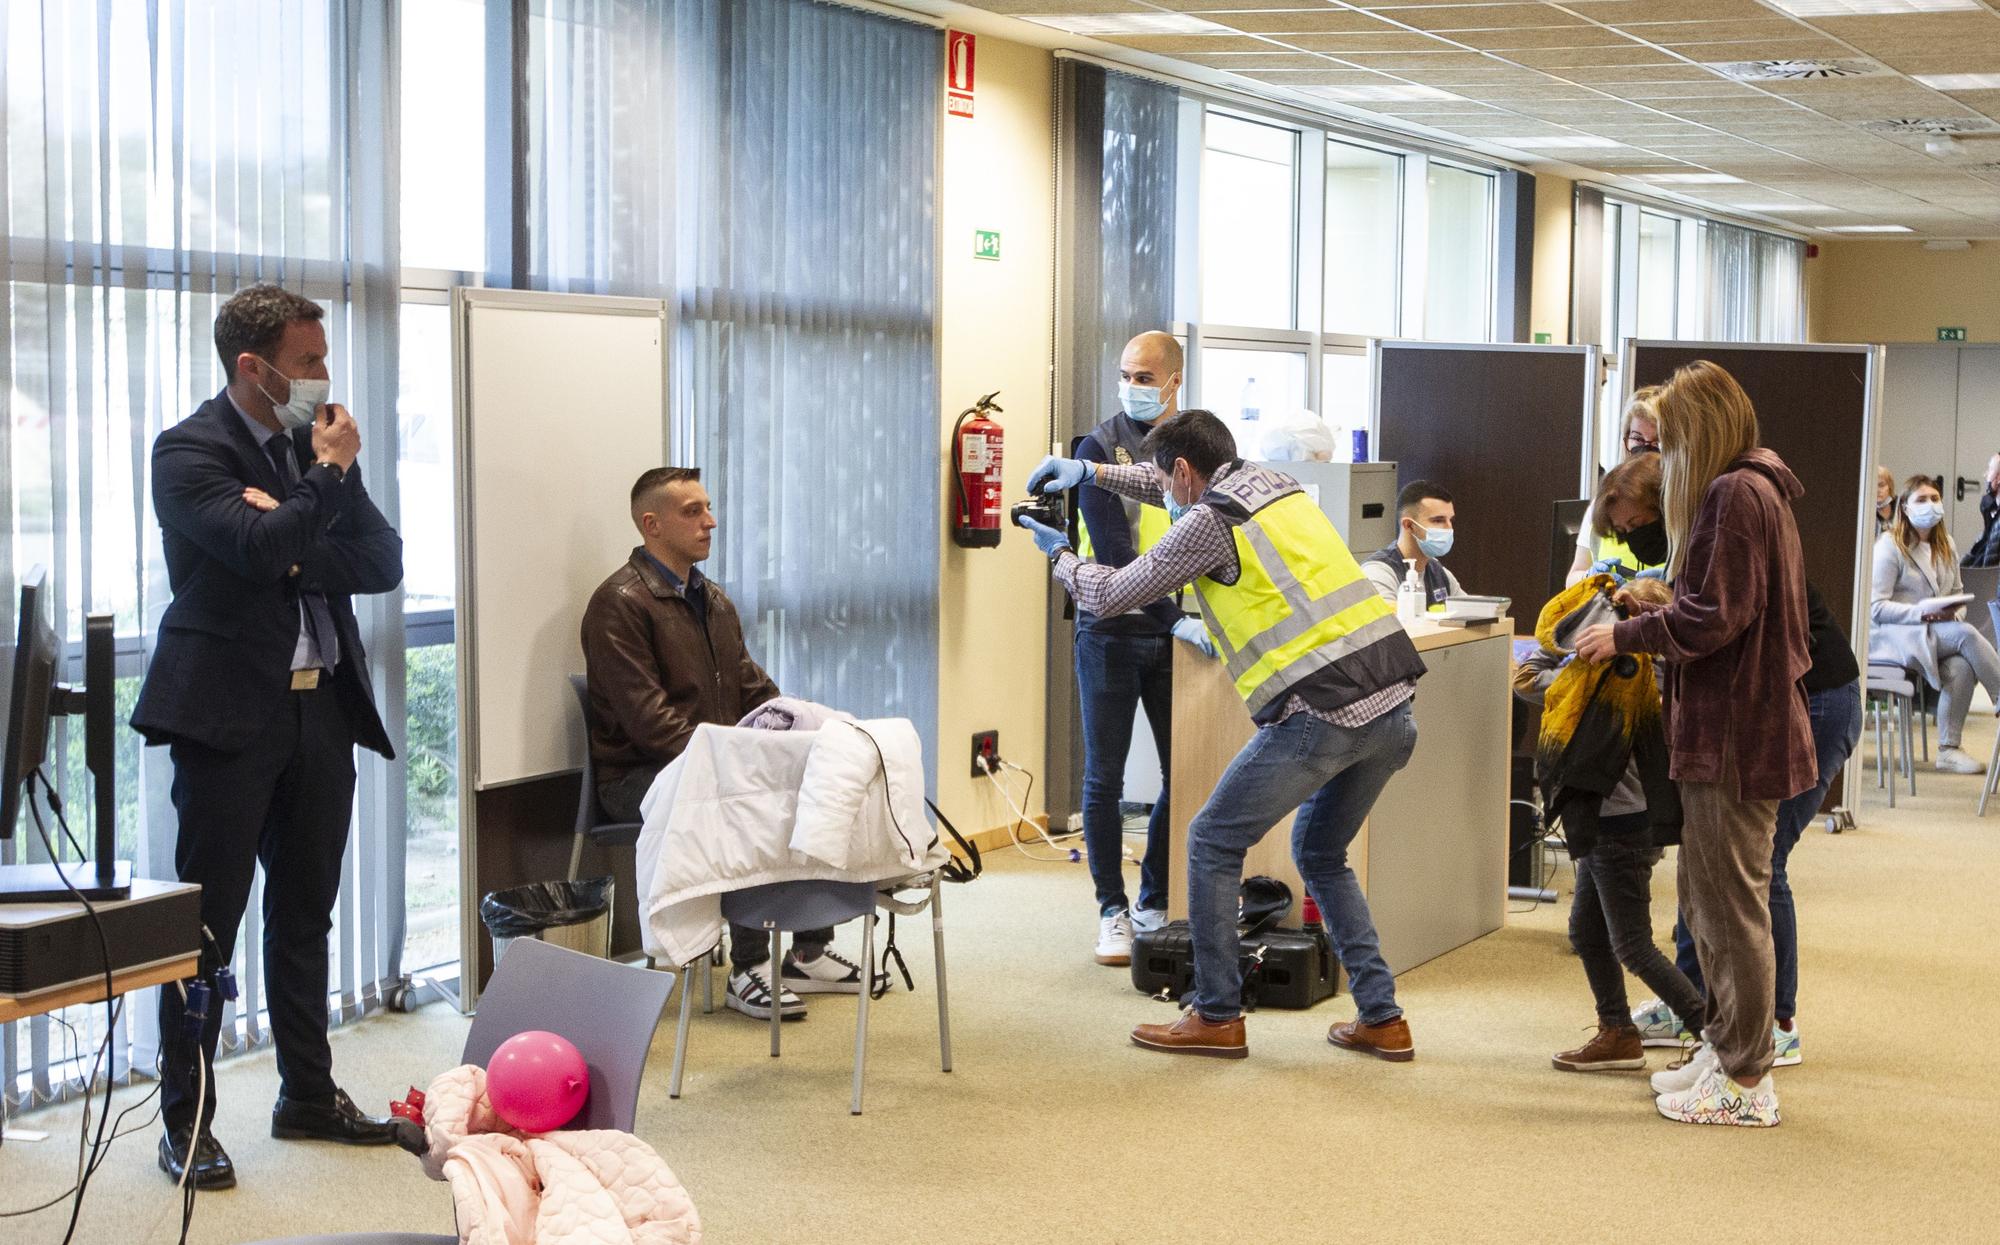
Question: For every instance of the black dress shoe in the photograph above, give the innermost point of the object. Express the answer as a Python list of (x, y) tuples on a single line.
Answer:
[(212, 1168), (336, 1119)]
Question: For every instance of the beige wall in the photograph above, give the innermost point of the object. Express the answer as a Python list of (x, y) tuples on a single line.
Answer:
[(993, 650), (1899, 292), (1548, 308)]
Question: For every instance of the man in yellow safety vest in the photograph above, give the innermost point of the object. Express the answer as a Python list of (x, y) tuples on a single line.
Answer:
[(1327, 672)]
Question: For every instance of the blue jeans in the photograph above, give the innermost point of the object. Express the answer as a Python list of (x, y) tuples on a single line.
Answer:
[(1332, 775), (1115, 674), (1836, 729)]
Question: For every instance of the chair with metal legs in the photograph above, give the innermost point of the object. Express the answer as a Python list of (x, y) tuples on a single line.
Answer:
[(793, 906), (1886, 684)]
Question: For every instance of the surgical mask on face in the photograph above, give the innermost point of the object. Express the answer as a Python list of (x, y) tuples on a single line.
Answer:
[(307, 397), (1434, 541), (1175, 508), (1141, 402), (1648, 542), (1923, 515)]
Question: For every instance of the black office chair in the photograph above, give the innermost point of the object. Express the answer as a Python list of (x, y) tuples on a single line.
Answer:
[(592, 826)]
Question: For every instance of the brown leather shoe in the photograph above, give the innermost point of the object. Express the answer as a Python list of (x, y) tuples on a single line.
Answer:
[(1390, 1040), (1615, 1048), (1191, 1035)]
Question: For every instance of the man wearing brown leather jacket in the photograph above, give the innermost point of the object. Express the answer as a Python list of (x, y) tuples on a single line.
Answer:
[(663, 649)]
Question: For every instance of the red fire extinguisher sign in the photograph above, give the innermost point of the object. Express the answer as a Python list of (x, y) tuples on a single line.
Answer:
[(978, 451), (958, 57)]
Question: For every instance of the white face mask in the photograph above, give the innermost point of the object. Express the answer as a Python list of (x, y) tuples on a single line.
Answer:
[(307, 397)]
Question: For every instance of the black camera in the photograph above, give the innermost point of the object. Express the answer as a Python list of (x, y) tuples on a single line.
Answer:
[(1047, 511)]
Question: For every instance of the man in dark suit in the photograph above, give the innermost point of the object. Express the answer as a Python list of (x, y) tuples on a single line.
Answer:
[(259, 686)]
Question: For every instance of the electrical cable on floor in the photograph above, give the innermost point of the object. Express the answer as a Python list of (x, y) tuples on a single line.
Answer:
[(1021, 817)]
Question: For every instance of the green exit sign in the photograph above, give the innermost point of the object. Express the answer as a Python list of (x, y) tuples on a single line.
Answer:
[(1543, 339), (986, 244), (1951, 335)]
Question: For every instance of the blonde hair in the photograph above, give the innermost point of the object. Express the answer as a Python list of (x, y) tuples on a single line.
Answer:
[(1706, 422), (1905, 533), (1640, 407), (1651, 591)]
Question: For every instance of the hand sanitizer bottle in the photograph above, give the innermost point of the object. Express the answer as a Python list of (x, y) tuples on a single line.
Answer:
[(1410, 604)]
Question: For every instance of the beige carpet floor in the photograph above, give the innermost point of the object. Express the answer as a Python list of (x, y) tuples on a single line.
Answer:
[(1053, 1128)]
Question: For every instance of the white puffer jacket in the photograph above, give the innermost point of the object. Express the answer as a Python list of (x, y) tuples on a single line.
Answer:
[(741, 808)]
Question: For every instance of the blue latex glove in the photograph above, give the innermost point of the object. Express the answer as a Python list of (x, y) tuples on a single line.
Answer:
[(1057, 475), (1191, 631), (1607, 566), (1047, 539), (1657, 572)]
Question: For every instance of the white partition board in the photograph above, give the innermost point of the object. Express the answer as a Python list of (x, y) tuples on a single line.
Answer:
[(561, 403)]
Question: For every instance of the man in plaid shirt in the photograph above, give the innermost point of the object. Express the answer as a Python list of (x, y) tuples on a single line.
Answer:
[(1327, 672)]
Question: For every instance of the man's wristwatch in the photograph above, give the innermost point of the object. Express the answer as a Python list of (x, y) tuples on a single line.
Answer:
[(339, 472)]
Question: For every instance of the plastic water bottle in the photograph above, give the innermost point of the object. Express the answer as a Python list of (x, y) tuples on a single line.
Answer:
[(1248, 403), (1410, 604)]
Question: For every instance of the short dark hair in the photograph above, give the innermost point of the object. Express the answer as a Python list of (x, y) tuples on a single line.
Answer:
[(254, 319), (651, 482), (1195, 435), (1415, 491)]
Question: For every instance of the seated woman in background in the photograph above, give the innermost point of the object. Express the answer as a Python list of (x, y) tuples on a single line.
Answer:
[(1909, 627), (1885, 500)]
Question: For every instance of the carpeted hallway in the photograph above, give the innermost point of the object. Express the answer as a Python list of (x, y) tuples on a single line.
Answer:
[(1053, 1128)]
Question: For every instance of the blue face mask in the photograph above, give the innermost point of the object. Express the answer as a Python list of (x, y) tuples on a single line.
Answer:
[(1175, 509), (1924, 515), (1435, 542), (1141, 402)]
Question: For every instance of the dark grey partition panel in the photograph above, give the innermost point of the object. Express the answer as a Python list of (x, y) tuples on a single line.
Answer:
[(1815, 406), (1505, 428)]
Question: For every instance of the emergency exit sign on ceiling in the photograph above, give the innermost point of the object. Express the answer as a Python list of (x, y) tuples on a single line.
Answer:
[(1951, 335), (986, 244)]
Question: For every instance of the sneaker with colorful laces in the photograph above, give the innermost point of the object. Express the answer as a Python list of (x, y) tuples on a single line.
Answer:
[(1786, 1043), (1658, 1026), (1717, 1099)]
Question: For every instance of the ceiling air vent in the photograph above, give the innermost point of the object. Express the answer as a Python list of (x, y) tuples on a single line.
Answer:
[(1931, 125), (1798, 70)]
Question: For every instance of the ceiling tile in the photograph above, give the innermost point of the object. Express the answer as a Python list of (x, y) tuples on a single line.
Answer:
[(1538, 38), (1173, 45), (1386, 41), (1300, 21), (1632, 13), (1269, 58), (1400, 62), (1602, 57)]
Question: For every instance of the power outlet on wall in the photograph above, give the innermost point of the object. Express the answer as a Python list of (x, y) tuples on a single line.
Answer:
[(985, 748)]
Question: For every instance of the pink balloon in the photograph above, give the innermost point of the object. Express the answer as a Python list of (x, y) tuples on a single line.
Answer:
[(537, 1081)]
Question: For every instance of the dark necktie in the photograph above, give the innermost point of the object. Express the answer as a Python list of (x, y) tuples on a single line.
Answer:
[(318, 618)]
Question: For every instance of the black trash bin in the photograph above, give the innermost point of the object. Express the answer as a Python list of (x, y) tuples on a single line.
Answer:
[(575, 914)]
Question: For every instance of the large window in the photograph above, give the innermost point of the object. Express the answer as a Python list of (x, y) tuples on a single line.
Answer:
[(444, 101), (1252, 388), (1364, 231), (1458, 282), (1249, 189)]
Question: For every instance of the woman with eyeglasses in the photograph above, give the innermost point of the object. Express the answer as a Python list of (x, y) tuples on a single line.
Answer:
[(1909, 626), (1601, 551)]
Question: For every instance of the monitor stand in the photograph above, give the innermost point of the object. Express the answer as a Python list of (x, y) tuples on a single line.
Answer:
[(40, 883)]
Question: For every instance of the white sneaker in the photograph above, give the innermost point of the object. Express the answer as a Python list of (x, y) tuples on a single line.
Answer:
[(1114, 938), (829, 973), (750, 994), (1958, 761), (1145, 920), (1717, 1099), (1785, 1044), (1658, 1026), (1680, 1076)]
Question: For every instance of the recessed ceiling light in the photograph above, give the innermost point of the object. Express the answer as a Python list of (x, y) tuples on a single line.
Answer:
[(1127, 23), (1402, 91), (1871, 8), (1869, 229), (1561, 140), (1686, 179), (1960, 81), (1797, 70)]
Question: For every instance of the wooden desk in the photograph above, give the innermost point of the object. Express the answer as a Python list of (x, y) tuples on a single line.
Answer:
[(1433, 856), (20, 1007)]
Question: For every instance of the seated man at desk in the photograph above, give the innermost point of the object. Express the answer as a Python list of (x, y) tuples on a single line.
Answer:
[(663, 650), (1328, 675), (1425, 523)]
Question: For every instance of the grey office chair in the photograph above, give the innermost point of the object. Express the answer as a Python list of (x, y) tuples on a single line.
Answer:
[(792, 906), (607, 1010), (592, 826), (1888, 685)]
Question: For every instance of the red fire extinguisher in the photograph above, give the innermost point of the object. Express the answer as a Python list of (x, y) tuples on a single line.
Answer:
[(976, 449)]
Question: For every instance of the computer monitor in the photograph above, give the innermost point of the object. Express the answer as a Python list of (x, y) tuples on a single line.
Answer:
[(1562, 554), (34, 699)]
